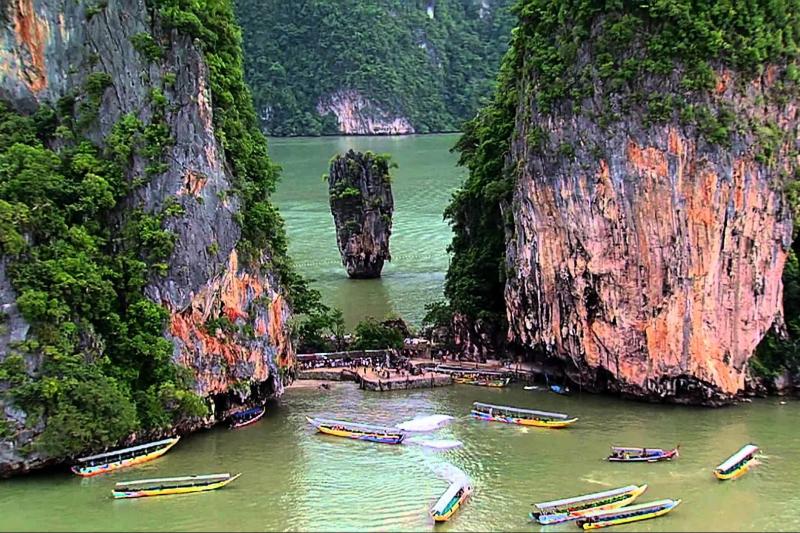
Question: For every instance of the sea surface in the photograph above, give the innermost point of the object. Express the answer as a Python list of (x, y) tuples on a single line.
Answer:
[(295, 479), (423, 184)]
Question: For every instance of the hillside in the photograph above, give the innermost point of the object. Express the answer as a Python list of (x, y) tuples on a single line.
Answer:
[(371, 66)]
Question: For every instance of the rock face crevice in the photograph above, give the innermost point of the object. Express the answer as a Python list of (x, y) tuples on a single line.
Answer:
[(645, 257), (48, 49), (362, 206)]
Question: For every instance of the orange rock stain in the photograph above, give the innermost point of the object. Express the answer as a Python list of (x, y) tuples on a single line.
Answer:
[(32, 33)]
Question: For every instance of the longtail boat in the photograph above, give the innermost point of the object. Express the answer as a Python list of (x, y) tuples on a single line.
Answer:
[(737, 464), (557, 511), (625, 515), (523, 417), (624, 454), (244, 418), (114, 460), (481, 378), (350, 430), (446, 506), (483, 382), (171, 485)]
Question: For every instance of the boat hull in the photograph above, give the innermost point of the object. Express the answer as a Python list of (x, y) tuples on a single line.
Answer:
[(89, 471), (175, 490), (444, 517), (549, 424), (627, 520), (248, 422), (739, 472), (666, 456), (358, 435), (557, 518), (498, 383)]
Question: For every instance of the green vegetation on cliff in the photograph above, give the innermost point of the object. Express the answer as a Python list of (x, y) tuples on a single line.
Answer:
[(105, 368), (96, 366), (432, 71), (560, 53)]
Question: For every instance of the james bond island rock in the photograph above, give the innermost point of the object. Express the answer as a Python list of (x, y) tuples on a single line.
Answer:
[(142, 267), (360, 188), (639, 179)]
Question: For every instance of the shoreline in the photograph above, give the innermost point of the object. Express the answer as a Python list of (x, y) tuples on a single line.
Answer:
[(271, 138)]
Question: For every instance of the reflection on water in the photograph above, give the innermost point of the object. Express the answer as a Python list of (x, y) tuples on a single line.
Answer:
[(422, 186), (296, 479)]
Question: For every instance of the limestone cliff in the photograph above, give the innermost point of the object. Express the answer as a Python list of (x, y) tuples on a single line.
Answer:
[(642, 196), (362, 206), (227, 316), (356, 115)]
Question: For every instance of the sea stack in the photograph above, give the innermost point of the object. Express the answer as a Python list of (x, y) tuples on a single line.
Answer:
[(360, 191)]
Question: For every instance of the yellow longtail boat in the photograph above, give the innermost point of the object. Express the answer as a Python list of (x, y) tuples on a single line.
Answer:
[(738, 464), (114, 460), (523, 417), (557, 511), (481, 378), (446, 506), (171, 485), (626, 515), (351, 430)]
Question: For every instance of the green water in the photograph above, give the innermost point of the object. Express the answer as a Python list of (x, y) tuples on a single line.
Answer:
[(423, 183), (296, 479)]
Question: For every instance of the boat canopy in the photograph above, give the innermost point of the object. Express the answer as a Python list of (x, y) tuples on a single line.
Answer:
[(544, 414), (595, 496), (635, 449), (448, 370), (208, 477), (368, 427), (447, 497), (128, 450), (248, 412), (736, 458), (638, 508)]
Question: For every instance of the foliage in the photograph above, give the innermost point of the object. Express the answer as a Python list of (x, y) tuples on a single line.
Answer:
[(321, 331), (373, 335), (147, 46), (475, 279), (80, 284), (776, 354), (437, 315), (432, 71), (632, 39)]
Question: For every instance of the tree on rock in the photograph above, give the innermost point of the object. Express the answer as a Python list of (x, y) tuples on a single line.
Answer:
[(361, 200)]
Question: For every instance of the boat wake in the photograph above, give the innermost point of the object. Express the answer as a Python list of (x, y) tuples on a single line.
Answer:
[(436, 444), (596, 482), (425, 423), (450, 473)]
